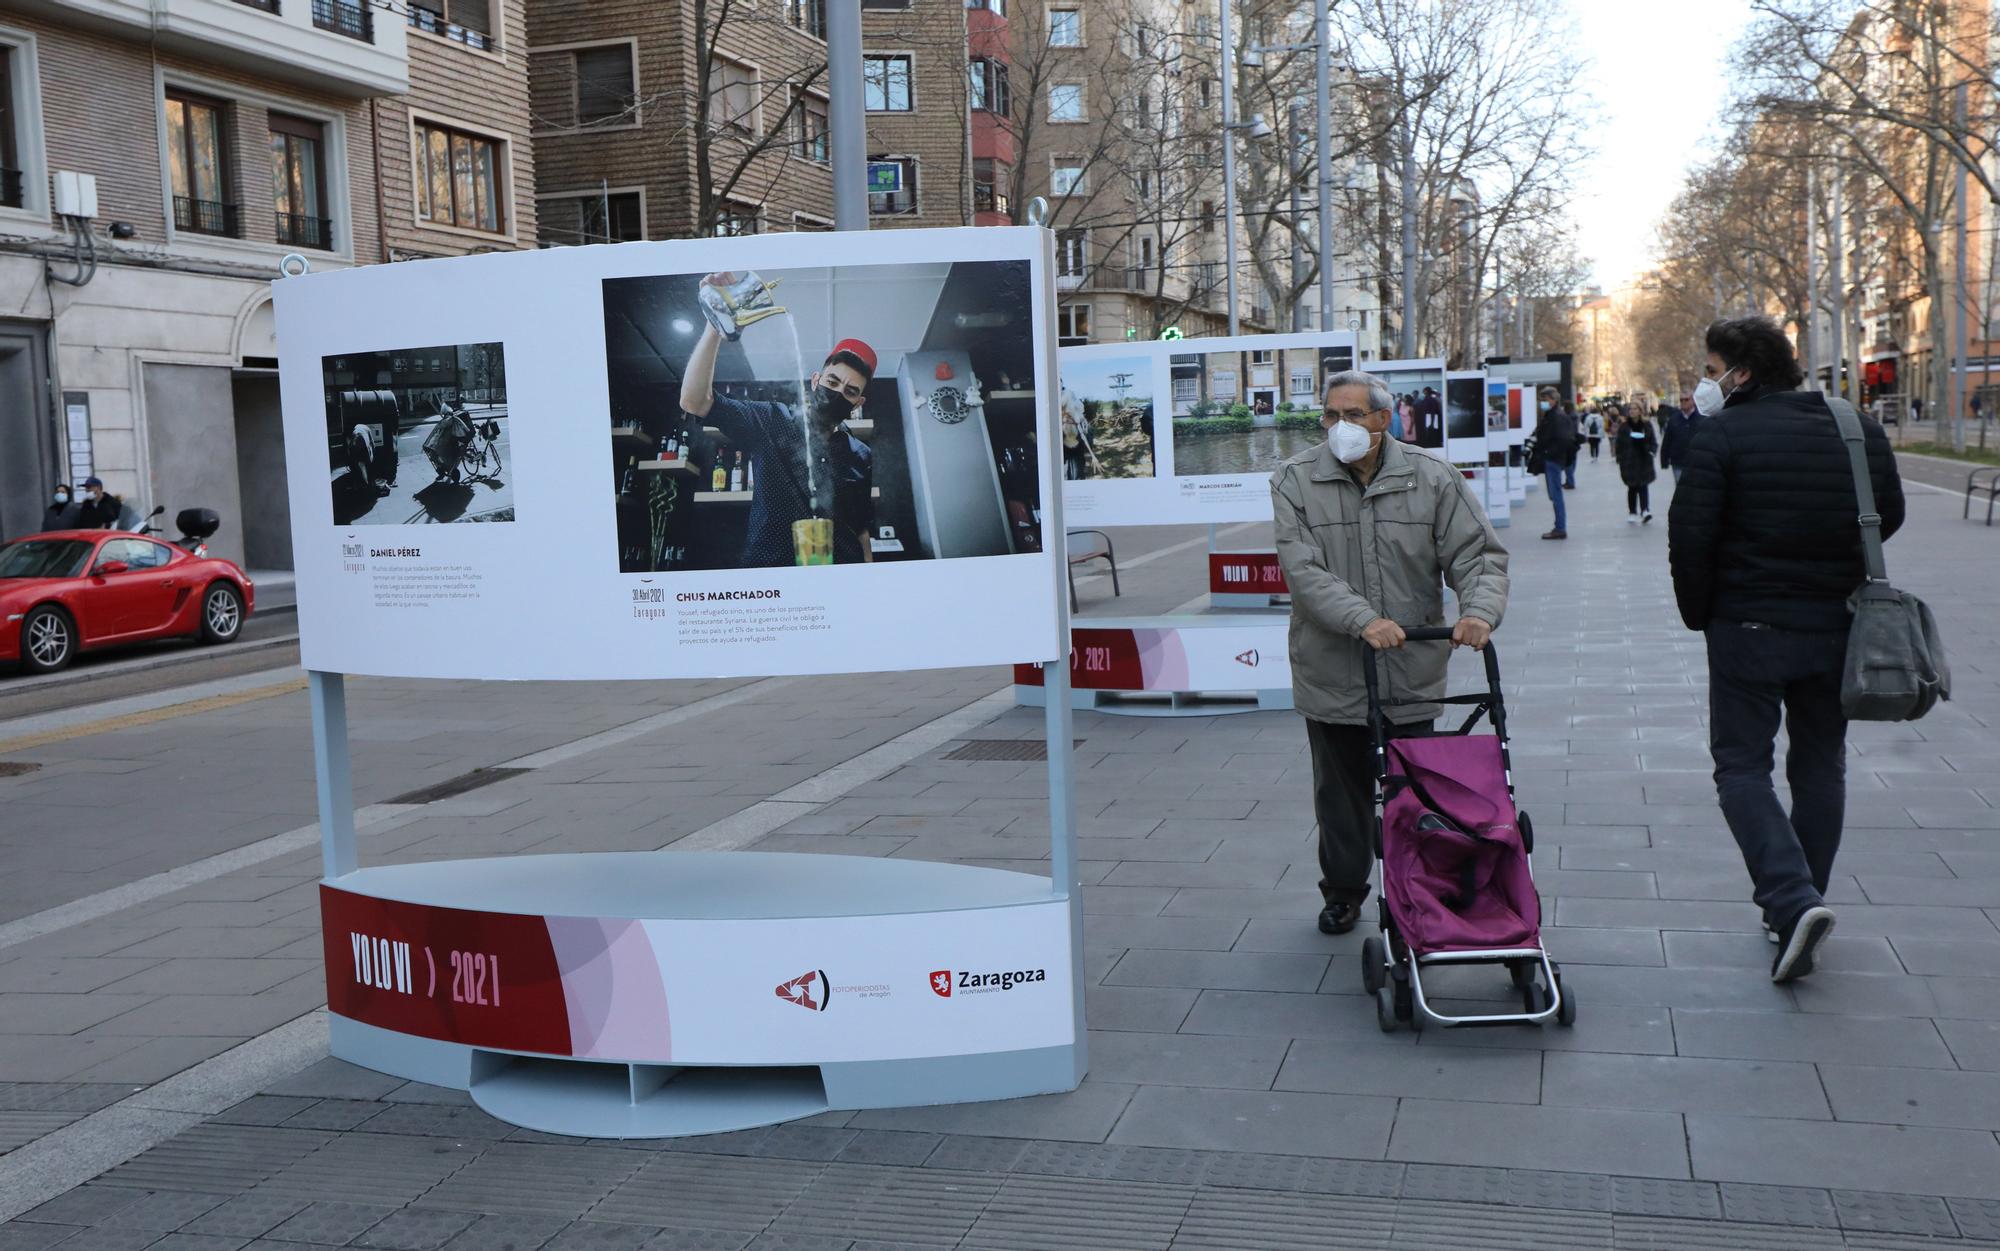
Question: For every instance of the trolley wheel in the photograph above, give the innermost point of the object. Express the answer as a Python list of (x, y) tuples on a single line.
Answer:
[(1532, 999), (1385, 1009), (1406, 1003), (1520, 973), (1527, 827), (1566, 1010), (1374, 964)]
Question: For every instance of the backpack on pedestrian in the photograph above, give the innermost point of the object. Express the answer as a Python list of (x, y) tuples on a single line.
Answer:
[(1896, 668)]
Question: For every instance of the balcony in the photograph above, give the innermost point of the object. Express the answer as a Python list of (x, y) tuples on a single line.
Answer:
[(432, 23), (207, 217), (344, 18), (13, 188), (329, 46), (300, 231)]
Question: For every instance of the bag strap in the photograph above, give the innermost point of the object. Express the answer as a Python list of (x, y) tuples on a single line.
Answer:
[(1849, 421)]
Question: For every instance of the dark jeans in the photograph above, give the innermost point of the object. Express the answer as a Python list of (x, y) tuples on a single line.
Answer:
[(1639, 499), (1594, 441), (1754, 672), (1569, 469), (1343, 759), (1553, 473)]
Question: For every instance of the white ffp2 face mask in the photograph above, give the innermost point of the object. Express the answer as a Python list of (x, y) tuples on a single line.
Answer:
[(1350, 442), (1709, 395)]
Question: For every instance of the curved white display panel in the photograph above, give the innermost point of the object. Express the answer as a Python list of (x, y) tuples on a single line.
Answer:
[(512, 488)]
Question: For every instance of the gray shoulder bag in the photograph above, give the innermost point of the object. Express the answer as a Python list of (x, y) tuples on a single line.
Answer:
[(1896, 668)]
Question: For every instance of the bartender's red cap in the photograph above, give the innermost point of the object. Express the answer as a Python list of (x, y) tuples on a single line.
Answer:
[(858, 350)]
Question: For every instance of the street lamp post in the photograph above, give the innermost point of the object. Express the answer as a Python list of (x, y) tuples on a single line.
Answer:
[(847, 116), (1229, 163)]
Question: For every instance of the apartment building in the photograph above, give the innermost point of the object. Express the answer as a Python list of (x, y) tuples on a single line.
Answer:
[(158, 158), (651, 125), (1264, 381)]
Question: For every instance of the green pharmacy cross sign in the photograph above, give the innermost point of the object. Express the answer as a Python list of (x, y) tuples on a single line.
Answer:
[(885, 177)]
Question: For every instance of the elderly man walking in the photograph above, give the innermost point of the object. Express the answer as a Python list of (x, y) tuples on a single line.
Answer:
[(1369, 532)]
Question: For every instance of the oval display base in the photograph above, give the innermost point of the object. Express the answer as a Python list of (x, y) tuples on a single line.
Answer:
[(589, 1100)]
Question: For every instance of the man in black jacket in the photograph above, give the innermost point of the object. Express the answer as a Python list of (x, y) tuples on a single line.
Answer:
[(1765, 546), (1677, 428)]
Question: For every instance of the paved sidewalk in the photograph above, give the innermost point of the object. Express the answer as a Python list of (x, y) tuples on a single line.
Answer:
[(1240, 1094)]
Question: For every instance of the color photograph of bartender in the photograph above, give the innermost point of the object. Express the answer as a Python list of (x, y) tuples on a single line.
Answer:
[(810, 469), (820, 416)]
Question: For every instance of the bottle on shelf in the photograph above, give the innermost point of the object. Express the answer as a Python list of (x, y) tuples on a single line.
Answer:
[(750, 477), (718, 479), (736, 473), (670, 446)]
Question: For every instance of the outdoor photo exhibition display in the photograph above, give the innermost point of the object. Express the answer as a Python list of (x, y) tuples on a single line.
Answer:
[(1189, 431), (1469, 422), (712, 458), (1173, 665), (1520, 427), (1500, 466)]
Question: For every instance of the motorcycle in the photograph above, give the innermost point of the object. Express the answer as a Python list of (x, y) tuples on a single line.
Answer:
[(195, 525)]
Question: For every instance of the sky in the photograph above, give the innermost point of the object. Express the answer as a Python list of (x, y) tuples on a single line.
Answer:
[(1658, 74)]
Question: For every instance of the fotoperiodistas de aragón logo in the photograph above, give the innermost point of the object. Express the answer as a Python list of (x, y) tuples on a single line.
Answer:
[(947, 982), (813, 992)]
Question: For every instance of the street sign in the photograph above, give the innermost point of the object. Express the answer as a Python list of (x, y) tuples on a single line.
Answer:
[(885, 177), (1172, 332)]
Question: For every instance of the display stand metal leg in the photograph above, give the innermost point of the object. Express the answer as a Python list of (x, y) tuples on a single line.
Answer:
[(1059, 722), (333, 773)]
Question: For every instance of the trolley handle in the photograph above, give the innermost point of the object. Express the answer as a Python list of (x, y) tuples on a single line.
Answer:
[(1423, 634)]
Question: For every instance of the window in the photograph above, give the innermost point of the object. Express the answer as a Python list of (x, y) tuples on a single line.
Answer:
[(1065, 102), (605, 92), (735, 219), (811, 127), (809, 16), (298, 182), (136, 553), (889, 4), (808, 224), (1065, 28), (1208, 217), (1302, 383), (458, 179), (1186, 392), (1263, 357), (13, 183), (892, 202), (991, 6), (1142, 185), (1072, 252), (989, 86), (732, 95), (1207, 88), (989, 185), (1065, 176), (1072, 325), (197, 162), (1146, 254), (886, 83), (344, 17), (469, 22), (1222, 384), (593, 218)]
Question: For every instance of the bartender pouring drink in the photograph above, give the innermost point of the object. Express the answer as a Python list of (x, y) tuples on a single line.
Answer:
[(803, 470)]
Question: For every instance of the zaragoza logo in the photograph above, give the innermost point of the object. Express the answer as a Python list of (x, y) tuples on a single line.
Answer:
[(941, 983)]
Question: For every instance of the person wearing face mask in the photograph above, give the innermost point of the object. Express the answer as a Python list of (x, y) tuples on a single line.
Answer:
[(100, 509), (815, 468), (1369, 532), (1764, 543), (1555, 445), (62, 509)]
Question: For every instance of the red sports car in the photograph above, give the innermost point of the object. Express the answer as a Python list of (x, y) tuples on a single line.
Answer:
[(74, 590)]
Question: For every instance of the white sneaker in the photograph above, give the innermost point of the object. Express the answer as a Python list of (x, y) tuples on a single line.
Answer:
[(1630, 520), (1646, 520)]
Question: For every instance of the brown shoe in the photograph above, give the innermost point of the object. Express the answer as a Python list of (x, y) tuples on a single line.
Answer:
[(1556, 534), (1339, 918)]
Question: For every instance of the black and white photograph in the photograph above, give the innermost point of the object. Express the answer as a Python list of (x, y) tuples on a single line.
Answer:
[(417, 436), (823, 416), (1107, 418)]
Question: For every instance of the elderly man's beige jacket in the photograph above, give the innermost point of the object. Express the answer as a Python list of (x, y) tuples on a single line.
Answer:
[(1351, 556)]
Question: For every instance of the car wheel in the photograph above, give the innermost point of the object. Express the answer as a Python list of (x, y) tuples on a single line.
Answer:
[(221, 614), (48, 640)]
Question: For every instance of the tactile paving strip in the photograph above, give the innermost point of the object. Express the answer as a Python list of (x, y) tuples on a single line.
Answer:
[(1237, 1220), (673, 1189), (1881, 1213), (1778, 1205), (532, 1179), (1456, 1226), (1072, 1213), (1652, 1196), (224, 1159), (370, 1168), (1665, 1233), (923, 1207)]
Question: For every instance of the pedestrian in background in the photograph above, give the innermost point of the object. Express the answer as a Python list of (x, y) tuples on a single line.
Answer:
[(1593, 429), (1576, 446), (1555, 447), (62, 511), (1365, 528), (1764, 541), (1676, 436), (1638, 444), (100, 509)]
